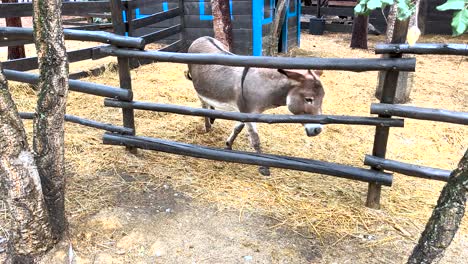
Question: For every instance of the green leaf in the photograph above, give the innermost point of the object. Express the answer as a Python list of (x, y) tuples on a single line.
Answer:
[(405, 9), (452, 5), (387, 2), (460, 22)]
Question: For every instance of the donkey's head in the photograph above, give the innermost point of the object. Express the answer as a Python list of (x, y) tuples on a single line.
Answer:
[(305, 96)]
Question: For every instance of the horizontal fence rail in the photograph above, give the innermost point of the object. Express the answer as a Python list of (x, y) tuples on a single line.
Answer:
[(262, 118), (75, 85), (156, 18), (87, 122), (277, 161), (357, 65), (421, 113), (11, 43), (161, 34), (31, 63), (93, 26), (173, 47), (15, 33), (423, 48), (407, 169)]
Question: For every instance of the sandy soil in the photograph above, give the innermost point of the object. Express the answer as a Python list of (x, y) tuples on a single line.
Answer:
[(162, 226), (160, 208)]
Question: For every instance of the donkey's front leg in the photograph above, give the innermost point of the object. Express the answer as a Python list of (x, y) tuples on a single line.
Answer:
[(235, 132), (255, 143)]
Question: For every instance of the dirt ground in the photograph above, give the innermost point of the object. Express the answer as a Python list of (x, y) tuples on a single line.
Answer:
[(160, 208)]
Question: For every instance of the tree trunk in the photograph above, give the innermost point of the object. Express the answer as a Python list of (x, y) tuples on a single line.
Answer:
[(445, 219), (30, 234), (48, 139), (391, 18), (278, 21), (405, 79), (359, 36), (14, 52), (222, 25)]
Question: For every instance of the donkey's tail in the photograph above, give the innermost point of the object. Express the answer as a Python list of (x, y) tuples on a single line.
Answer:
[(187, 75)]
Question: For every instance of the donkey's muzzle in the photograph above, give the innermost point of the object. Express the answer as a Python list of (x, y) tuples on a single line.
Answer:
[(313, 130)]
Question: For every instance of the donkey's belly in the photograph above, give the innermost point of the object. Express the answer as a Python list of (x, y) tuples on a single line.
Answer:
[(225, 106)]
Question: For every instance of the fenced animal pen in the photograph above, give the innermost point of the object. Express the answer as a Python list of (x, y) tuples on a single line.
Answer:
[(128, 48)]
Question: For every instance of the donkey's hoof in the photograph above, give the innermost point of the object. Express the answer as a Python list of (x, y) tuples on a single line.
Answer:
[(228, 146), (265, 171)]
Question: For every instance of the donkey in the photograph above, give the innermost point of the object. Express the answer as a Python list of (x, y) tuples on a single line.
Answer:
[(253, 90)]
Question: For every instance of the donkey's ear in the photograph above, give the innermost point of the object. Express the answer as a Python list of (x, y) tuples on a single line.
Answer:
[(292, 74)]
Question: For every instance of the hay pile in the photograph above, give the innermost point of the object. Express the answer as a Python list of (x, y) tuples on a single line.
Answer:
[(323, 207)]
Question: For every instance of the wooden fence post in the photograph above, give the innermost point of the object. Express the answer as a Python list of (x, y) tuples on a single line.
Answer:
[(183, 39), (388, 97), (120, 27)]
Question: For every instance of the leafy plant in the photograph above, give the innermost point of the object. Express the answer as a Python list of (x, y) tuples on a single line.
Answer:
[(460, 16), (406, 8)]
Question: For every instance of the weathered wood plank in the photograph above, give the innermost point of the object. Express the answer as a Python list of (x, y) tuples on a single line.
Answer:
[(238, 22), (152, 37), (238, 8), (269, 160), (27, 64), (347, 64), (408, 169), (155, 18), (68, 8)]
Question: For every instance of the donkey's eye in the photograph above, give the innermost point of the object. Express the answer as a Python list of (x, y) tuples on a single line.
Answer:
[(309, 100)]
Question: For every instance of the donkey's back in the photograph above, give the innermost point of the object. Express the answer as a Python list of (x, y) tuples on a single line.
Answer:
[(216, 85)]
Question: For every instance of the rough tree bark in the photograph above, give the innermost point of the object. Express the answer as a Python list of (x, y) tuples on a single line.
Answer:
[(30, 233), (278, 21), (14, 52), (359, 35), (445, 219), (48, 139), (391, 18), (222, 25)]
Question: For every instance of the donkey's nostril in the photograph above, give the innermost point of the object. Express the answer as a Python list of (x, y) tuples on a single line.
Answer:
[(313, 129)]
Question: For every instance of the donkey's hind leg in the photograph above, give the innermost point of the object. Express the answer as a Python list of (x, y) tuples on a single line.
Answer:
[(235, 132), (208, 120), (255, 143)]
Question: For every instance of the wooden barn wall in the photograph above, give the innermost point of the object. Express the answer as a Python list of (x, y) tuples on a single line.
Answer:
[(199, 22), (152, 7), (433, 21), (197, 25), (292, 26), (378, 20)]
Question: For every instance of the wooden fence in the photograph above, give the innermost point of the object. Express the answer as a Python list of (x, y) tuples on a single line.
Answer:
[(375, 176), (126, 25), (121, 97)]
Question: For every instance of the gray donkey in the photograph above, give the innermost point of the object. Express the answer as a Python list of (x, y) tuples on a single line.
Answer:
[(253, 90)]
